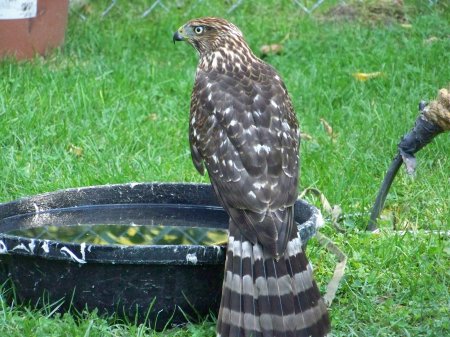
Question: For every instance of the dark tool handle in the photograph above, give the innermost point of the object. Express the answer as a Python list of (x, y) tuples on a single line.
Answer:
[(382, 193)]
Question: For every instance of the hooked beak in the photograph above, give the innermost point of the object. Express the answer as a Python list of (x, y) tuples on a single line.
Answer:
[(178, 37)]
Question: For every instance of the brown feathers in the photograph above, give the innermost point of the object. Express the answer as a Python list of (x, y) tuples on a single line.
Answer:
[(243, 129)]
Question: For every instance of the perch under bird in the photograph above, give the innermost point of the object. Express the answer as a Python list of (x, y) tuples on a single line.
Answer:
[(434, 119)]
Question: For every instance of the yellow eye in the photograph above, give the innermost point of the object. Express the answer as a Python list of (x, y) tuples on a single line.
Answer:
[(198, 30)]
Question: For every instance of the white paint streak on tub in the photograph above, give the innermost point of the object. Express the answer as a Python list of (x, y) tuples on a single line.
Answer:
[(45, 246), (68, 252), (217, 249), (36, 208), (3, 248), (22, 247), (32, 245), (191, 258), (83, 250)]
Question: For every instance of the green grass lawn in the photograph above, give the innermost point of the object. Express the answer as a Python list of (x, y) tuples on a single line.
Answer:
[(112, 107)]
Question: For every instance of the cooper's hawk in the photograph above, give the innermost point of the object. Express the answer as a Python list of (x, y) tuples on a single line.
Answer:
[(244, 130)]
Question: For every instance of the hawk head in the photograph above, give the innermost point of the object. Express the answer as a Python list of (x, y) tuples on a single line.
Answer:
[(209, 34)]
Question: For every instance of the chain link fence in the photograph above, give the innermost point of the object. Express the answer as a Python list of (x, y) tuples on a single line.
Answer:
[(166, 5), (307, 6)]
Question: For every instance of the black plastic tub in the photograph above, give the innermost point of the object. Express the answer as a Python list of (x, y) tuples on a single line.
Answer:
[(168, 281)]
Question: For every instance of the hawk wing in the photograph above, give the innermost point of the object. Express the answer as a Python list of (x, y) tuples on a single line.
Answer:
[(243, 129)]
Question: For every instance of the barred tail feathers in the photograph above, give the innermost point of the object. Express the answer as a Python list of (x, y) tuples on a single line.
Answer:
[(264, 297)]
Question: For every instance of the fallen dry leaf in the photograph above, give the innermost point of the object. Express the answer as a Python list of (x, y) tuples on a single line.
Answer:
[(305, 136), (367, 76), (75, 150), (431, 39), (327, 127), (271, 49), (152, 117)]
